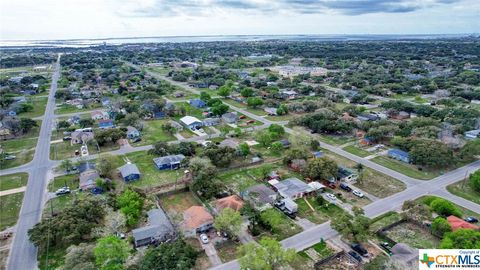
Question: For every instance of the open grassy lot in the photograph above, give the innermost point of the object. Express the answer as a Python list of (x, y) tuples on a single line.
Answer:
[(286, 117), (70, 180), (18, 144), (379, 184), (281, 226), (356, 151), (65, 108), (321, 214), (152, 132), (228, 251), (151, 176), (160, 70), (257, 111), (11, 181), (39, 105), (341, 161), (63, 150), (335, 140), (9, 209), (465, 190), (320, 251), (189, 110), (186, 133), (413, 235), (23, 156), (407, 169), (384, 220)]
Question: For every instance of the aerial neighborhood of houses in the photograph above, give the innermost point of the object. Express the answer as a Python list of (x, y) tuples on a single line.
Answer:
[(322, 154)]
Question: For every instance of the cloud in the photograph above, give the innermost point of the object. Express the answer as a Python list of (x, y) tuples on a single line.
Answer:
[(167, 8)]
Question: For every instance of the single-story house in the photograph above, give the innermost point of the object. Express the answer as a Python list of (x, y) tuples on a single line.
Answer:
[(87, 179), (399, 155), (232, 202), (270, 111), (229, 143), (472, 134), (178, 94), (196, 219), (132, 132), (74, 120), (191, 122), (406, 255), (129, 172), (458, 223), (260, 196), (168, 162), (317, 154), (99, 115), (106, 123), (197, 103), (208, 122), (368, 117), (285, 143), (158, 114), (159, 229), (292, 188), (346, 175), (316, 186), (366, 141), (230, 117), (81, 137), (288, 94)]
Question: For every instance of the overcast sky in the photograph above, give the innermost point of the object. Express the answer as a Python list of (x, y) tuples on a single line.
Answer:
[(68, 19)]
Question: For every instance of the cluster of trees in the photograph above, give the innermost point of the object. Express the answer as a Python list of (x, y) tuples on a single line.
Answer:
[(266, 137), (267, 254), (73, 225), (326, 121), (109, 136), (177, 255), (220, 156), (425, 152), (355, 227), (130, 204), (165, 149), (216, 105)]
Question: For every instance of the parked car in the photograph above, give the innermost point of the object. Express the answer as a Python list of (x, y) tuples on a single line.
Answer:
[(62, 191), (67, 138), (355, 255), (250, 121), (136, 139), (345, 187), (97, 190), (360, 249), (120, 235), (471, 219), (204, 238), (358, 194), (242, 117), (331, 196), (10, 157)]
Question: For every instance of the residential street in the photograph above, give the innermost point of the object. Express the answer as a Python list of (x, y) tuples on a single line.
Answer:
[(23, 254)]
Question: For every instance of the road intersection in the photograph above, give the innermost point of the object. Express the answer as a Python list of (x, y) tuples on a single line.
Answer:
[(23, 254)]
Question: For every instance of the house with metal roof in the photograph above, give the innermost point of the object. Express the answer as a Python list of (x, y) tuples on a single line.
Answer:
[(292, 188), (472, 134), (104, 124), (158, 230), (168, 162), (399, 155), (208, 122), (230, 117), (197, 103), (129, 172), (191, 122)]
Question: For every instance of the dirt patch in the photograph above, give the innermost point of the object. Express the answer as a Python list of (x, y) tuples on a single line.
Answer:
[(344, 262)]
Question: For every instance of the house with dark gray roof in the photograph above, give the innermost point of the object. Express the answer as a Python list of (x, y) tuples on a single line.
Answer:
[(129, 172), (168, 162), (260, 196), (230, 118), (292, 188), (158, 230)]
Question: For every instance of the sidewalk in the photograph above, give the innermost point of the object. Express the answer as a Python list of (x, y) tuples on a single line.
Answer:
[(12, 191)]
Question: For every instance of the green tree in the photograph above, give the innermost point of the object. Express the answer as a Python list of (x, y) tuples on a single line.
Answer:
[(475, 180), (244, 149), (63, 124), (27, 124), (276, 147), (229, 221), (246, 92), (105, 165), (254, 102), (267, 255), (169, 128), (131, 204), (131, 119), (445, 208), (440, 226), (79, 257), (111, 252), (461, 239), (352, 227), (220, 109), (276, 130), (264, 138), (83, 123), (177, 255), (66, 165), (321, 168), (282, 109), (431, 153), (224, 91)]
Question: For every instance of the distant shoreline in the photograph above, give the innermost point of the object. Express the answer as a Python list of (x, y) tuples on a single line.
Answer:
[(79, 43)]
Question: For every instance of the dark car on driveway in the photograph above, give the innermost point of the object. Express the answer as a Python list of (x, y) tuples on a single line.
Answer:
[(345, 187), (360, 249), (471, 219), (355, 255)]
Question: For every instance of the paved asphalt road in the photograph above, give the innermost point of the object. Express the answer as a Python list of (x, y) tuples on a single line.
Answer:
[(23, 254)]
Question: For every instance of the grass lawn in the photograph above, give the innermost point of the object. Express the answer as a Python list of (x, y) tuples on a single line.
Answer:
[(466, 212), (187, 133), (413, 235), (407, 169), (11, 181), (379, 184), (56, 258), (190, 110), (465, 190), (257, 111), (39, 105), (304, 211), (18, 144), (282, 226), (9, 209), (63, 150), (286, 117), (335, 140), (340, 160), (384, 220), (152, 133), (356, 151), (70, 180), (64, 108), (159, 70), (227, 251), (175, 204), (24, 156), (151, 176)]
